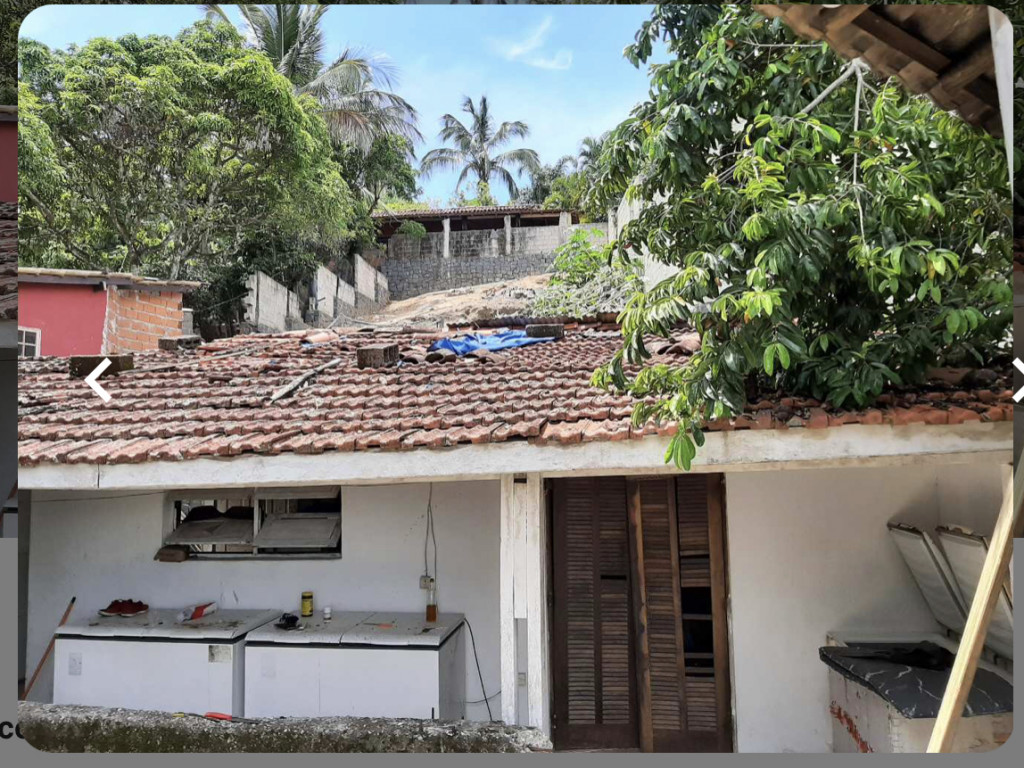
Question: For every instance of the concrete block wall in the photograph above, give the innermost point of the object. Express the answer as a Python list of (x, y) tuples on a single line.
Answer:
[(415, 266), (330, 297), (136, 320), (269, 306)]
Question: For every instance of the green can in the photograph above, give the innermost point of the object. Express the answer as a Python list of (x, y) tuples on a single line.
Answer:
[(307, 604)]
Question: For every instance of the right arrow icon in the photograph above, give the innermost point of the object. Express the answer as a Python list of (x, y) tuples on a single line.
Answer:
[(98, 371), (1020, 392)]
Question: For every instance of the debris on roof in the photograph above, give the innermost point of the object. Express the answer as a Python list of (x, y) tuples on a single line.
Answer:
[(219, 400)]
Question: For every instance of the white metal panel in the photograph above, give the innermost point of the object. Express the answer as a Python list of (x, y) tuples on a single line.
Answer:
[(283, 682), (966, 553), (222, 530), (293, 680), (380, 682), (163, 676), (932, 574), (863, 721), (300, 531)]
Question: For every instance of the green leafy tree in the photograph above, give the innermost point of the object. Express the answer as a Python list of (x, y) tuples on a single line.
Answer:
[(163, 155), (832, 247), (542, 178), (584, 282), (475, 145), (352, 90), (383, 172)]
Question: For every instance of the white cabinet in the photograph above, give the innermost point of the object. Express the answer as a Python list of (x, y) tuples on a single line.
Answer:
[(360, 665), (151, 662)]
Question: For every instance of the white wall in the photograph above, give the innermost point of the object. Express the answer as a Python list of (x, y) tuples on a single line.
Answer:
[(102, 548), (809, 552)]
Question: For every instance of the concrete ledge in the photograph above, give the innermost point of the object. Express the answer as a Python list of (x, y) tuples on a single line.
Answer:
[(59, 728)]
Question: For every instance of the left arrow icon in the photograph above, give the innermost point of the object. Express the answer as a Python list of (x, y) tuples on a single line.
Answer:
[(91, 380)]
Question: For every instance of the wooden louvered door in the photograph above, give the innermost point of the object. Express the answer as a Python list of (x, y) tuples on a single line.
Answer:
[(592, 637), (640, 641)]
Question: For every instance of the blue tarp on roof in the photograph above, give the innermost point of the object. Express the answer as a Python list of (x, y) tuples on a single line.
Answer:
[(492, 342)]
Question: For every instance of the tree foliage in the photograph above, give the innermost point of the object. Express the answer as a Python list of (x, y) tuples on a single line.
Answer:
[(353, 90), (832, 252), (584, 282), (382, 172), (167, 156)]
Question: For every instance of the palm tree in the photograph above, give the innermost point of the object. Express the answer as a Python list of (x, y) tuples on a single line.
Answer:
[(585, 160), (474, 147), (352, 89)]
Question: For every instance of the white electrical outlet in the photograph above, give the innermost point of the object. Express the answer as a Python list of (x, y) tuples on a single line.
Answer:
[(75, 664), (521, 678), (426, 582)]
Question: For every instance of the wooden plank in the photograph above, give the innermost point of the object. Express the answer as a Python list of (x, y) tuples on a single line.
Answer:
[(961, 677), (643, 651), (538, 677), (595, 576), (720, 610), (677, 598), (902, 41), (977, 63), (506, 585)]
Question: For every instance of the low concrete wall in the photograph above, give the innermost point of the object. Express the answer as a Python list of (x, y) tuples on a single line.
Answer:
[(330, 297), (54, 728), (270, 306), (414, 266)]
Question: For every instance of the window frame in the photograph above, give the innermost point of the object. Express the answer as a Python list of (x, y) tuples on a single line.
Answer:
[(22, 343), (224, 498)]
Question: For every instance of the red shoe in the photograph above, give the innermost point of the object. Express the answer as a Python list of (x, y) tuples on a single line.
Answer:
[(114, 609), (133, 608)]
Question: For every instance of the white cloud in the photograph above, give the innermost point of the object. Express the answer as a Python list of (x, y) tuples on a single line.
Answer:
[(528, 50), (561, 60)]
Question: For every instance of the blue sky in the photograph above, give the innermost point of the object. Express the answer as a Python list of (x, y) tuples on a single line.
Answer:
[(558, 68)]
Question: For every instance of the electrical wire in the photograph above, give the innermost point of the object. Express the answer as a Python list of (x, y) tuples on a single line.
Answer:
[(476, 658), (430, 536)]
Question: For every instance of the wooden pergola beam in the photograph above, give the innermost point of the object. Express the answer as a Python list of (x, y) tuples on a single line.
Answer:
[(993, 575)]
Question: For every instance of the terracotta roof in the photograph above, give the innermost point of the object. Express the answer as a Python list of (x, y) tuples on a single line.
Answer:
[(468, 210), (8, 261), (42, 275), (216, 401)]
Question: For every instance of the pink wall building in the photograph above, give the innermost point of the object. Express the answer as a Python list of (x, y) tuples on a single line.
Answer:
[(75, 312)]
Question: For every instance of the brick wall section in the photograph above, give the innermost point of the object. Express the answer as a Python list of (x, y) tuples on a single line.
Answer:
[(137, 320), (416, 266)]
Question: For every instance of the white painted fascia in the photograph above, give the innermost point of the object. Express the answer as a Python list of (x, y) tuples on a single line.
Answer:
[(739, 451)]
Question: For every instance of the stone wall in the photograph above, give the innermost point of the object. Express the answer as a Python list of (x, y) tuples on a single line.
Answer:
[(55, 728), (414, 266)]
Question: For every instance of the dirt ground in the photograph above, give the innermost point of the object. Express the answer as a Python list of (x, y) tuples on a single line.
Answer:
[(463, 305)]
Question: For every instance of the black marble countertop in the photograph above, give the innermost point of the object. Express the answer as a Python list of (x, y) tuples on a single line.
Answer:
[(912, 677)]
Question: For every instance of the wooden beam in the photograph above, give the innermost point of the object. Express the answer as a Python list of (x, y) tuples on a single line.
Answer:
[(898, 39), (977, 63), (993, 574), (506, 585), (538, 675), (643, 648), (720, 608)]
